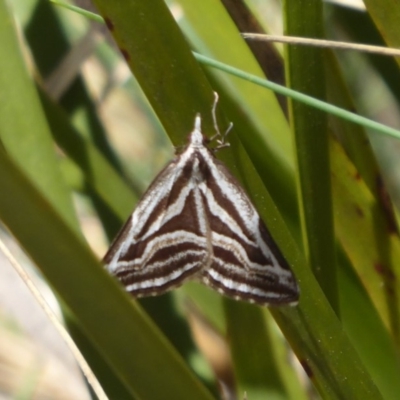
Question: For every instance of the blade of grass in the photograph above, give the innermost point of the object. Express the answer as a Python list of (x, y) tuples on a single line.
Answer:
[(305, 73), (175, 113), (360, 28), (47, 29), (24, 125), (352, 137), (23, 129), (367, 332), (272, 125), (257, 361), (386, 16), (249, 339), (312, 327), (363, 231), (98, 173)]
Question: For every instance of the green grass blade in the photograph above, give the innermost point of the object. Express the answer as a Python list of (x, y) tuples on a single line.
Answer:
[(257, 354), (367, 332), (196, 96), (95, 168), (353, 137), (359, 27), (363, 232), (386, 16), (257, 367), (24, 131), (312, 328), (305, 73)]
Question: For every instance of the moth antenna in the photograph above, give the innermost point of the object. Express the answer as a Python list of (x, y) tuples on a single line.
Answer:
[(221, 142), (214, 114)]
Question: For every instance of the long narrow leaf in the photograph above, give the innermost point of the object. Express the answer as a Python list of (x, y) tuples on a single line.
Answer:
[(23, 128)]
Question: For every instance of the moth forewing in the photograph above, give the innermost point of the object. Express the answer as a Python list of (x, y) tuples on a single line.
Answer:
[(248, 265)]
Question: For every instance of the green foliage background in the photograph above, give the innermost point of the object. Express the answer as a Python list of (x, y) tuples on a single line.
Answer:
[(315, 182)]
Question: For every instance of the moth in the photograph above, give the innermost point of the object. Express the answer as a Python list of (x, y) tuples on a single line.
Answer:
[(195, 221)]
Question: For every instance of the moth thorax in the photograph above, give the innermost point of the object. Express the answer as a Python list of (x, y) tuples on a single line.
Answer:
[(196, 171)]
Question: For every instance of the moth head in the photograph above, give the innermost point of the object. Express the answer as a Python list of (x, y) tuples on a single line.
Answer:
[(196, 138)]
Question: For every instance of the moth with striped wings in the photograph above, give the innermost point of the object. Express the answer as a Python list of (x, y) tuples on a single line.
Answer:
[(196, 222)]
